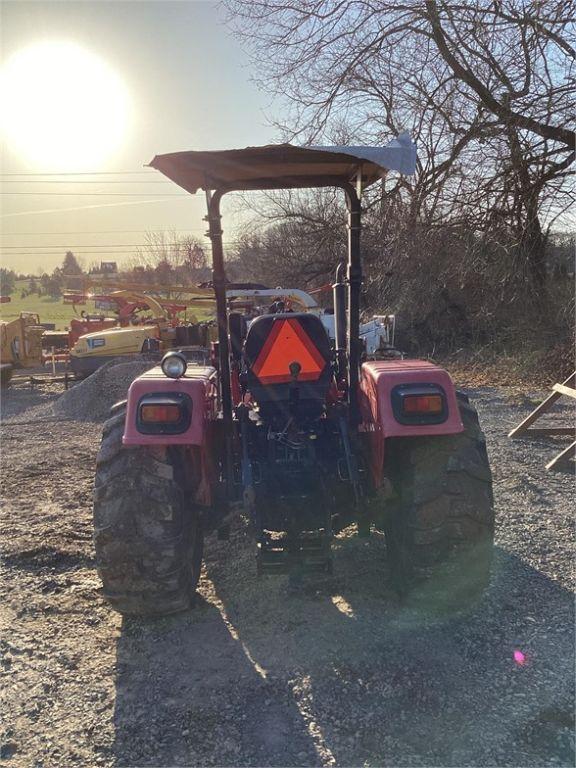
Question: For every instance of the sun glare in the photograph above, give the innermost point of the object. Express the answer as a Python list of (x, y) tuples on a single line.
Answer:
[(63, 108)]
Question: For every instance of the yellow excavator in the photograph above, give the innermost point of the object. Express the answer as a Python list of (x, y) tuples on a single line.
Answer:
[(20, 344)]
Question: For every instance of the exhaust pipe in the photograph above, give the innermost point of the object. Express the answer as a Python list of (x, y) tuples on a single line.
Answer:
[(339, 294)]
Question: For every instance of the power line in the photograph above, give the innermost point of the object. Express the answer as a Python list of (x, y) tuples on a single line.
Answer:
[(50, 249), (76, 249), (46, 248), (97, 245), (58, 254), (62, 250), (80, 181), (100, 232), (88, 252), (98, 194), (79, 173), (91, 249), (91, 207)]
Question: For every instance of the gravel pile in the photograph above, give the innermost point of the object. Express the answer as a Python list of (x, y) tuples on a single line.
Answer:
[(91, 399), (88, 400)]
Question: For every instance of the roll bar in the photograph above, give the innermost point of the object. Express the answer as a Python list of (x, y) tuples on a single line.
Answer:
[(284, 166), (354, 280)]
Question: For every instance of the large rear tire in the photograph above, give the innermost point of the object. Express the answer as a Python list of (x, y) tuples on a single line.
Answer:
[(147, 535), (440, 526)]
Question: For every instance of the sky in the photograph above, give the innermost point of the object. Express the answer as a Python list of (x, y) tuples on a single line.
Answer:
[(188, 86)]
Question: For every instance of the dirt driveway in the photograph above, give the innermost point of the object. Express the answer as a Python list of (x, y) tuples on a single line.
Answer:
[(339, 674)]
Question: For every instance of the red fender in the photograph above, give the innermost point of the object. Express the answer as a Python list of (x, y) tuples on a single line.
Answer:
[(378, 379), (198, 383)]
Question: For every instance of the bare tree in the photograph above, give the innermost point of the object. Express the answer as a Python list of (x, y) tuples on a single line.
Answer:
[(294, 239), (167, 260), (487, 88)]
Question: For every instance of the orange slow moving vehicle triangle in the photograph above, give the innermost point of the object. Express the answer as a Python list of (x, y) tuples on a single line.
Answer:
[(288, 342)]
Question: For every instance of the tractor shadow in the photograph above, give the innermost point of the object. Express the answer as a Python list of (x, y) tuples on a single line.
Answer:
[(340, 673), (188, 693)]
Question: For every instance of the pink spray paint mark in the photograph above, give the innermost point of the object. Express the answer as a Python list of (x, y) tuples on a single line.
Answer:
[(519, 658)]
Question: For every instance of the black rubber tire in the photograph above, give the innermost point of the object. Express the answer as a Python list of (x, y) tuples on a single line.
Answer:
[(148, 538), (440, 527)]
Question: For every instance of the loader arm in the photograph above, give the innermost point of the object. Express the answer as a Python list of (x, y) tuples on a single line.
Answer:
[(142, 299)]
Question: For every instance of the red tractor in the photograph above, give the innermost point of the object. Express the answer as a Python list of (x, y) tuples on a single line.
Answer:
[(300, 436)]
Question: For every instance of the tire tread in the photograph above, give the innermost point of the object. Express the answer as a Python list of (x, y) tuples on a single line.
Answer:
[(442, 527), (148, 539)]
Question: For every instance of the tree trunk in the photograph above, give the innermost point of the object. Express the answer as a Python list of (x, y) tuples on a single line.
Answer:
[(533, 246)]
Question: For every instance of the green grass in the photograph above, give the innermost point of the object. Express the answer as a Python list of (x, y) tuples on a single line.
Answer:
[(55, 311), (50, 310)]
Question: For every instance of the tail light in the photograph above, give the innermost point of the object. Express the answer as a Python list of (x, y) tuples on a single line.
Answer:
[(422, 404), (155, 414), (419, 404), (164, 414)]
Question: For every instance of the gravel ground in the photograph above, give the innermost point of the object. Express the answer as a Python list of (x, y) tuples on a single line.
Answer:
[(87, 400), (338, 674)]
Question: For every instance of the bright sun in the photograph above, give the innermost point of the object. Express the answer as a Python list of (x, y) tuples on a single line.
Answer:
[(63, 108)]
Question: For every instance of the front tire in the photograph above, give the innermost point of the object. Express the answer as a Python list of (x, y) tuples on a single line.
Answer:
[(440, 526), (147, 535)]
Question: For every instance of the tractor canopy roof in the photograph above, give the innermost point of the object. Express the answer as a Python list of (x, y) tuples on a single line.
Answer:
[(284, 166)]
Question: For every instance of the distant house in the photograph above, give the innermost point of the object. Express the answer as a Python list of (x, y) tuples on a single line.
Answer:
[(106, 269)]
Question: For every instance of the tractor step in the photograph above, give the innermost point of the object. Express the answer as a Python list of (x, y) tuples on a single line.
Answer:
[(309, 552)]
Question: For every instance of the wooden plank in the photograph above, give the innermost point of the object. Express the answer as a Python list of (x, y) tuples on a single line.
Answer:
[(48, 379), (562, 456), (564, 390), (531, 418), (542, 408), (536, 431)]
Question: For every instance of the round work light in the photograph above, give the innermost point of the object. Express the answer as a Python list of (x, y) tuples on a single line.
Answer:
[(174, 365)]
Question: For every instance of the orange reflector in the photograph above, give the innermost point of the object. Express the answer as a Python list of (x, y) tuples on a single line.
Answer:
[(168, 414), (288, 343), (414, 404)]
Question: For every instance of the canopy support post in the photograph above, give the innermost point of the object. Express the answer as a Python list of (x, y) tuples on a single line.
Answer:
[(219, 282), (354, 286)]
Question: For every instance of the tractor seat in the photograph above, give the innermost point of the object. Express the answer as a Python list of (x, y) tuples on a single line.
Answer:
[(287, 358)]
